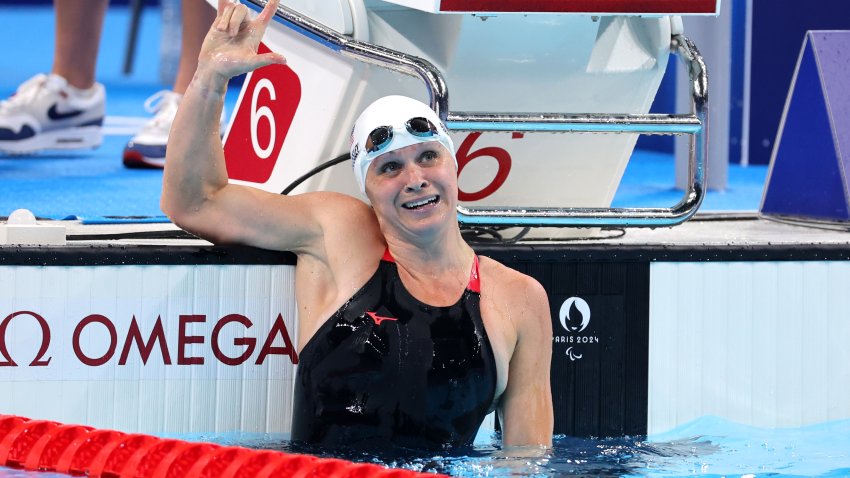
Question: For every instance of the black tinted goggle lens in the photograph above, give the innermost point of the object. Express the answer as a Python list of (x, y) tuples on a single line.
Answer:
[(420, 127), (378, 138)]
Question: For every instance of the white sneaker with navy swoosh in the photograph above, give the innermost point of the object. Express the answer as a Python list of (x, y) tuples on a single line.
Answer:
[(147, 148), (47, 113)]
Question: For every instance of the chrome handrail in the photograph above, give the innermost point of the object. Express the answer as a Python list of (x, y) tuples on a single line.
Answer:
[(694, 124)]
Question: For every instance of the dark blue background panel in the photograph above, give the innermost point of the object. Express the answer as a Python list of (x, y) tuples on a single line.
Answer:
[(778, 29)]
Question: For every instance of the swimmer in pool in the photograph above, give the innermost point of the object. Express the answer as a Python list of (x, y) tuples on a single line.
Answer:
[(407, 337)]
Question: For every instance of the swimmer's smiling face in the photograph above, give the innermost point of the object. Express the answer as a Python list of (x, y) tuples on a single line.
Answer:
[(414, 189)]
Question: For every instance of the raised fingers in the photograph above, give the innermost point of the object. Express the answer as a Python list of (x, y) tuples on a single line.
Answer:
[(225, 13), (268, 12), (239, 14)]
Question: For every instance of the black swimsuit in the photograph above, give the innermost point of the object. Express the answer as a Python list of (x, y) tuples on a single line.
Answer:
[(387, 370)]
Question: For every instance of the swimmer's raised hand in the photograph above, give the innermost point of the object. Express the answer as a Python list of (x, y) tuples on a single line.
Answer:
[(230, 47)]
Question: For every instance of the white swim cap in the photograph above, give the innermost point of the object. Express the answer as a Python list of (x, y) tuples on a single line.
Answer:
[(386, 126)]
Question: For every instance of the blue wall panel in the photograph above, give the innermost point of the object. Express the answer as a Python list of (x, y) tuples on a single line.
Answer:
[(778, 29), (737, 52)]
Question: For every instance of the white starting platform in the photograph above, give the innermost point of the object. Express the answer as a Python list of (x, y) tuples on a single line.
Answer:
[(504, 80)]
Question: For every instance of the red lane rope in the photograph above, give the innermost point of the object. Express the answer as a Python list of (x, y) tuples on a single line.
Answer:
[(41, 445)]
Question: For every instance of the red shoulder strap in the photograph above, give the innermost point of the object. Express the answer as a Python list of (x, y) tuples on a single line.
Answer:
[(387, 256), (474, 277)]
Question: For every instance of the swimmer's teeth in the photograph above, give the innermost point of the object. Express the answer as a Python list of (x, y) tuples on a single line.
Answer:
[(414, 205)]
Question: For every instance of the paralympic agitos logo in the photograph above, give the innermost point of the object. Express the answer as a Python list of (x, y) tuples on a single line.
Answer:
[(133, 341)]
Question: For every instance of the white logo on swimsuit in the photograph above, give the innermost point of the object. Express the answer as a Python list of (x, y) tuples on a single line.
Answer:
[(581, 306)]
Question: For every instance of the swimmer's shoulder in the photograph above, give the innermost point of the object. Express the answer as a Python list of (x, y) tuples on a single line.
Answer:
[(346, 222), (514, 291), (502, 276)]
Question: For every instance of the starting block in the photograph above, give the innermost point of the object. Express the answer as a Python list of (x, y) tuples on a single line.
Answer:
[(601, 59)]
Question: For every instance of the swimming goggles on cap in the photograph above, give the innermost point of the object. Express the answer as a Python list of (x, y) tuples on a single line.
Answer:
[(381, 136)]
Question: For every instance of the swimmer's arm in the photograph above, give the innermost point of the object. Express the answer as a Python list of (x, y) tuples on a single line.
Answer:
[(525, 409), (196, 194)]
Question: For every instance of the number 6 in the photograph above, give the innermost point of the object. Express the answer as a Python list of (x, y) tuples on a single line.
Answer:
[(262, 112), (463, 158)]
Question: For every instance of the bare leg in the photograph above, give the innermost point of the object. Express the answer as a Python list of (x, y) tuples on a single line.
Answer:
[(198, 15), (78, 28)]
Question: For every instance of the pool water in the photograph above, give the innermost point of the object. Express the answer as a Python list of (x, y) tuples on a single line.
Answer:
[(709, 446)]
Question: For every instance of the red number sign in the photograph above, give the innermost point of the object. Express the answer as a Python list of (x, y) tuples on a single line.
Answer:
[(503, 158), (263, 116)]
